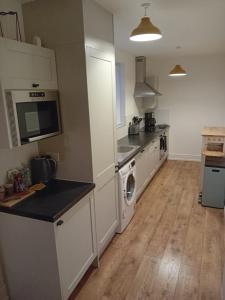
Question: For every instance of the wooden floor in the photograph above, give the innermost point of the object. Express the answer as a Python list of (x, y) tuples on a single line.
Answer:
[(172, 249)]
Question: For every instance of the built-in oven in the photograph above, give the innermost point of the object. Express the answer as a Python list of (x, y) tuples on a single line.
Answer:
[(32, 115)]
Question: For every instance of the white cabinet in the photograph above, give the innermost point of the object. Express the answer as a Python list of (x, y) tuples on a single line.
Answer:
[(150, 161), (140, 172), (156, 155), (52, 256), (147, 164), (101, 98), (26, 66), (75, 244)]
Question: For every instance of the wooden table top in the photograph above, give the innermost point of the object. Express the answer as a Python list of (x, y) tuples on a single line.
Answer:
[(213, 131)]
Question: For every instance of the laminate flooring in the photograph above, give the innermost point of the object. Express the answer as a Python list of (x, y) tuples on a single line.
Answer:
[(172, 249)]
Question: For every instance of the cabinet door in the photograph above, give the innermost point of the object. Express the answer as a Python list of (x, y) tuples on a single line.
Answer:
[(75, 243), (101, 95), (149, 161), (156, 155), (27, 64), (140, 173)]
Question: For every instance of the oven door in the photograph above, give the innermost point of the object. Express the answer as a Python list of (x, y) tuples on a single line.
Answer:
[(37, 120)]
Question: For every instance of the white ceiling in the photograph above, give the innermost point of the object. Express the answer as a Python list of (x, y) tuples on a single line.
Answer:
[(198, 26)]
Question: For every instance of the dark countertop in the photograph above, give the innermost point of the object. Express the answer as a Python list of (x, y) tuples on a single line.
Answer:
[(51, 202), (142, 139)]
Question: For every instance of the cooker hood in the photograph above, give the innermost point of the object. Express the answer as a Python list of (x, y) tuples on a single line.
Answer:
[(143, 89)]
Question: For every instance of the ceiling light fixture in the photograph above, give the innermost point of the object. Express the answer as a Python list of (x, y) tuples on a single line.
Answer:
[(177, 71), (145, 31)]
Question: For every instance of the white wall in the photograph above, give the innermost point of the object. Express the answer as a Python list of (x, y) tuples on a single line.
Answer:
[(132, 106), (67, 29), (191, 102), (10, 159), (61, 28), (8, 22)]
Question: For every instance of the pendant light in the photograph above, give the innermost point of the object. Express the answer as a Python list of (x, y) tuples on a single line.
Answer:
[(177, 71), (145, 31)]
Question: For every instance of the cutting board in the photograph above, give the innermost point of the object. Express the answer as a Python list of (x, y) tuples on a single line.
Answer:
[(15, 199)]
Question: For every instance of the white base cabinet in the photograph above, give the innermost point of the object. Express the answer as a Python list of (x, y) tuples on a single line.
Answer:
[(147, 164), (44, 260)]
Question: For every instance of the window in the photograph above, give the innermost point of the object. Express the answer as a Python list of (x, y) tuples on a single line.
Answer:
[(120, 95)]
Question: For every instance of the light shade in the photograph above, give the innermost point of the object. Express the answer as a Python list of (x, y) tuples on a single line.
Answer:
[(178, 71), (145, 31)]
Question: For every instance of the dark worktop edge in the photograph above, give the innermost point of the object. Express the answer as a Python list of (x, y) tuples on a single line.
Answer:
[(13, 211)]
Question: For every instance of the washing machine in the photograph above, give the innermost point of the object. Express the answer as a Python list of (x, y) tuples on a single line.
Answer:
[(127, 194)]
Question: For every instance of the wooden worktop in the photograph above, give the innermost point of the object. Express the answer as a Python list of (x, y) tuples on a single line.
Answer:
[(213, 131)]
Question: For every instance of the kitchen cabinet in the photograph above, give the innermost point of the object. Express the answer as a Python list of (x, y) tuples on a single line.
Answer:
[(140, 173), (52, 256), (150, 161), (147, 164), (26, 66), (102, 125), (156, 155)]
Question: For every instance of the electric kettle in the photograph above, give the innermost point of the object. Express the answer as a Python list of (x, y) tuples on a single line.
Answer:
[(43, 169)]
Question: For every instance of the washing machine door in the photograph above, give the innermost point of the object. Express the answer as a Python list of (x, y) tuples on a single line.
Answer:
[(130, 189)]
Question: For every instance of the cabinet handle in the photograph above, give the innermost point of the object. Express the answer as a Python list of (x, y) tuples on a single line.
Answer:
[(215, 170), (35, 85), (59, 223)]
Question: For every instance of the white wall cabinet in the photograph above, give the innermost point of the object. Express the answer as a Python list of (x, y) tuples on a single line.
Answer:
[(52, 257), (26, 66), (100, 65)]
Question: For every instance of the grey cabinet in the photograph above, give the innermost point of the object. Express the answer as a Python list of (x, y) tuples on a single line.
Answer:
[(213, 187)]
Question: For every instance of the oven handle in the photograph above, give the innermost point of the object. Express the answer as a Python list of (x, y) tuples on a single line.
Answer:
[(40, 137)]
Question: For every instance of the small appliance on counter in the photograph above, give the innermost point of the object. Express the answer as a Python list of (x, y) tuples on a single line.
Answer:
[(150, 122), (134, 127), (43, 169)]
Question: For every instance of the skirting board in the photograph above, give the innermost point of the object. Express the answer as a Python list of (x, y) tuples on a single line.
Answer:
[(188, 157)]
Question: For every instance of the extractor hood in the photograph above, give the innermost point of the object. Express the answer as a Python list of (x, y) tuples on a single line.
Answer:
[(143, 89)]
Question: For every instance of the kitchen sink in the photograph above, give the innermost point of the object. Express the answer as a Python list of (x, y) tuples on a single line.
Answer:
[(125, 149)]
